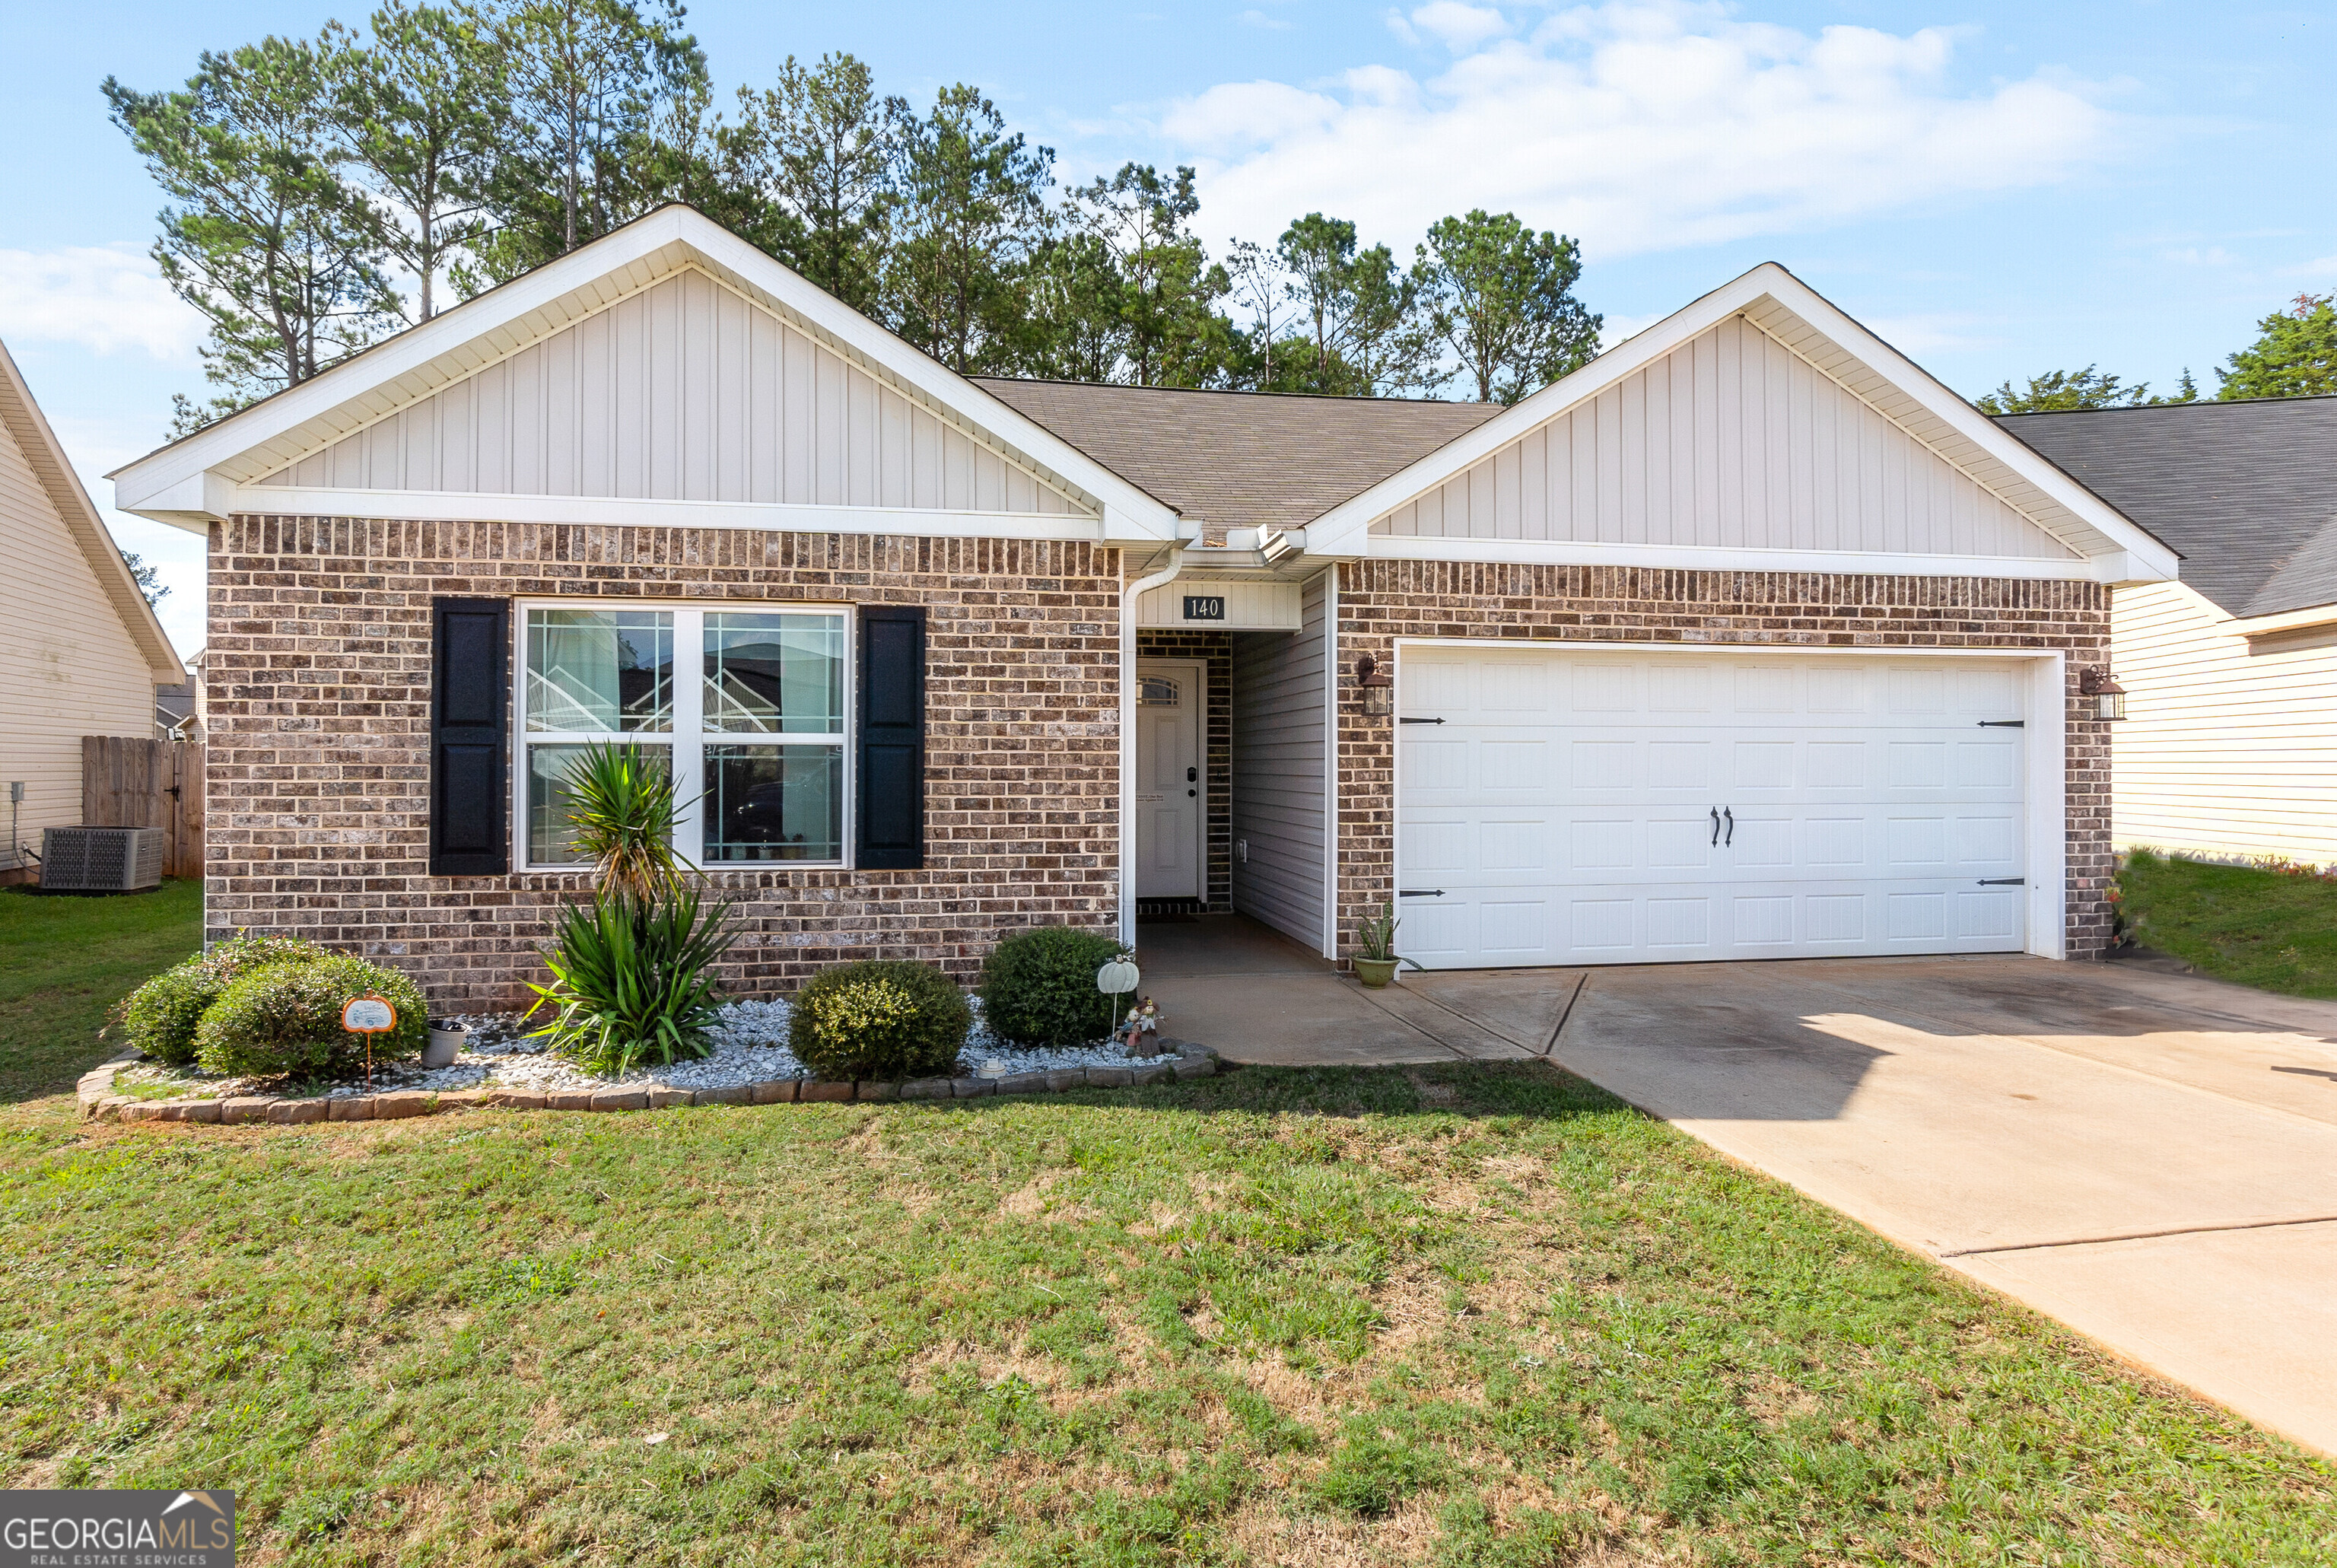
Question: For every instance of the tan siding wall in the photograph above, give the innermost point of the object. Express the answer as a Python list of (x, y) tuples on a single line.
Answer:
[(1381, 601), (2223, 750), (318, 664), (1731, 440), (67, 666), (686, 391), (1279, 745)]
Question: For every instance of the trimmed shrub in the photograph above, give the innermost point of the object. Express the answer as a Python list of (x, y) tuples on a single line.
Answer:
[(883, 1019), (160, 1017), (1039, 987), (632, 981), (284, 1019)]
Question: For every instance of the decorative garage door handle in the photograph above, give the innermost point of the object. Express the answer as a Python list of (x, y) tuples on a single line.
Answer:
[(1730, 813), (1716, 825)]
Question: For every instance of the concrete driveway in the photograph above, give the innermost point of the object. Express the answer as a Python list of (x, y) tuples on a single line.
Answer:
[(2150, 1158)]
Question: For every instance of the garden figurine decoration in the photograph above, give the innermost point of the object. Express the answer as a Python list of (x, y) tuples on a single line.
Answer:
[(1142, 1031)]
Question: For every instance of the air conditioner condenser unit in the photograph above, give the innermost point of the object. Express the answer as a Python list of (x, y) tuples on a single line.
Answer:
[(101, 860)]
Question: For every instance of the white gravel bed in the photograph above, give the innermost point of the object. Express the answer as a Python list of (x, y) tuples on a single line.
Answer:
[(749, 1047)]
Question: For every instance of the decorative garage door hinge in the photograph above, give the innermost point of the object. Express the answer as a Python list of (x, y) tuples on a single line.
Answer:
[(1419, 720), (1420, 893), (2004, 723), (2004, 881)]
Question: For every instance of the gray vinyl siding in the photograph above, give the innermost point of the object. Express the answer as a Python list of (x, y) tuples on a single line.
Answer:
[(1279, 686), (686, 391), (1731, 440)]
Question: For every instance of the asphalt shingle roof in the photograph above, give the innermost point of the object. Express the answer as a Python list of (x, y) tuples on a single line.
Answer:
[(2246, 491), (1242, 459)]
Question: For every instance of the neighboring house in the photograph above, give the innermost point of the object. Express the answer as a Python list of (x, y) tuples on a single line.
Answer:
[(1747, 640), (80, 653), (2229, 746), (175, 716)]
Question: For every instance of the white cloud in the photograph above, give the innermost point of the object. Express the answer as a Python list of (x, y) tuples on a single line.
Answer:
[(1932, 333), (103, 298), (1457, 26), (1638, 125), (1260, 19), (2198, 256)]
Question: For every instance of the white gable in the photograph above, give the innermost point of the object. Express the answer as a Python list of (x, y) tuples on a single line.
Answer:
[(1730, 440), (1759, 428), (685, 391), (667, 374)]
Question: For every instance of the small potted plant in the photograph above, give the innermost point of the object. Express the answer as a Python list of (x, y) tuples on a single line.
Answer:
[(1375, 955)]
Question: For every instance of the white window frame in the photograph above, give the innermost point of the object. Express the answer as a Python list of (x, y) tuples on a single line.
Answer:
[(688, 738)]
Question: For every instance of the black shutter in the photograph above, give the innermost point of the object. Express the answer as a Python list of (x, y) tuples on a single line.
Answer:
[(892, 738), (470, 641)]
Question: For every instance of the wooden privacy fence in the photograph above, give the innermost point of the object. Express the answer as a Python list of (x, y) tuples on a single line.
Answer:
[(130, 783)]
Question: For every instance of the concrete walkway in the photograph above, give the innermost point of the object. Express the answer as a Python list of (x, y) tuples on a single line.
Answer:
[(2150, 1158)]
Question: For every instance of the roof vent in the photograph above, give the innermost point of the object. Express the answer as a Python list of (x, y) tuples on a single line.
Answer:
[(101, 860)]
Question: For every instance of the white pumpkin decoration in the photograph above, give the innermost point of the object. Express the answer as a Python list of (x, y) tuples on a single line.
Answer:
[(1118, 977)]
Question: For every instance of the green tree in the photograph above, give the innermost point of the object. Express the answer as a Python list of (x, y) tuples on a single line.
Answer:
[(1361, 329), (148, 577), (282, 257), (597, 89), (818, 149), (970, 214), (2058, 390), (2294, 354), (418, 106), (1169, 287), (1077, 326), (1501, 297)]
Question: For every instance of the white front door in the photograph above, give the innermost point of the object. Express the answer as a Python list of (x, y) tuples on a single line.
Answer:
[(1171, 695), (1598, 808)]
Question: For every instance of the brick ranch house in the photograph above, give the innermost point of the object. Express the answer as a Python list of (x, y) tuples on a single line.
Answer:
[(1749, 639)]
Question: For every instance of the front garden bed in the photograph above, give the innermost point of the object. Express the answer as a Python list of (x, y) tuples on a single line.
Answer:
[(502, 1067)]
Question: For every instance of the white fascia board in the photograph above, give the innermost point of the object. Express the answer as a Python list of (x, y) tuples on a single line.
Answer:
[(599, 511), (142, 484), (1340, 530), (2286, 621), (1722, 558)]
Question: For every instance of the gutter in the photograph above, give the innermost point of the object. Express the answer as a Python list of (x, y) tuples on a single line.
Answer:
[(1129, 597)]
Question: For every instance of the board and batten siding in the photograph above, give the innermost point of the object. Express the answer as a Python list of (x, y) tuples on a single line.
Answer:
[(686, 391), (1280, 688), (1731, 440), (2223, 750), (68, 667)]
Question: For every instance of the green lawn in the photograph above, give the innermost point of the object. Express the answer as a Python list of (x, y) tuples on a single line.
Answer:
[(2260, 928), (64, 961), (1468, 1315)]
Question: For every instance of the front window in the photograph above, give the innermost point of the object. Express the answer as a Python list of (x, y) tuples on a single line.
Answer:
[(755, 743)]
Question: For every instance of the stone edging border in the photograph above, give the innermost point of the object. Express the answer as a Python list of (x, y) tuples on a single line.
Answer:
[(99, 1102)]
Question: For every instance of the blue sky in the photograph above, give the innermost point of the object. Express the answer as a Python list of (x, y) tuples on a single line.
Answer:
[(1998, 189)]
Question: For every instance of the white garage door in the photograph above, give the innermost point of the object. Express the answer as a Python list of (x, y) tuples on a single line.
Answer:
[(1580, 807)]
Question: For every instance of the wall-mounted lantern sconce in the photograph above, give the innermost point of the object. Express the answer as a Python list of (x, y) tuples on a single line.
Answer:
[(2109, 696), (1378, 689)]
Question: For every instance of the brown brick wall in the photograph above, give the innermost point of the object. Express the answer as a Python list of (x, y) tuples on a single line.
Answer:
[(1381, 601), (319, 669), (1216, 651)]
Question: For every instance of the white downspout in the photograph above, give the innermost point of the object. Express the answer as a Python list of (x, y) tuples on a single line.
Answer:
[(1129, 598)]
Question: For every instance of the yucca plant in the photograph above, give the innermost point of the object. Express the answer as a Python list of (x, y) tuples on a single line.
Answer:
[(630, 982), (620, 802)]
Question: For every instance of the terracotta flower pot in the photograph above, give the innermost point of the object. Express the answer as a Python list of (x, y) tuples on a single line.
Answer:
[(1375, 971)]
